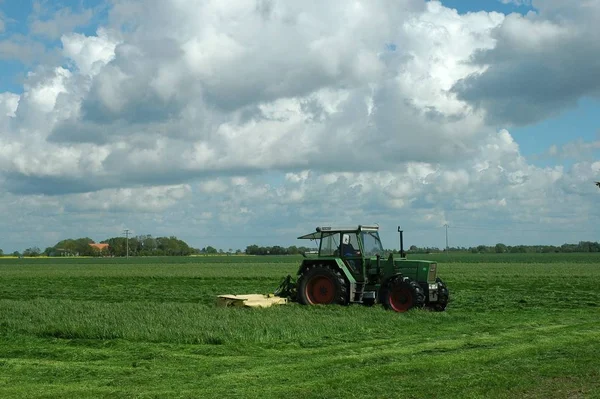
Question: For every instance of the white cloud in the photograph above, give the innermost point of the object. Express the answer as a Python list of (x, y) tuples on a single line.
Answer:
[(142, 86), (21, 48), (53, 23), (150, 199), (287, 115), (525, 77), (90, 54), (43, 94), (8, 104), (578, 150)]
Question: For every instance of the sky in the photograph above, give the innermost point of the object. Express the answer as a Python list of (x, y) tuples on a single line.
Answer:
[(254, 121)]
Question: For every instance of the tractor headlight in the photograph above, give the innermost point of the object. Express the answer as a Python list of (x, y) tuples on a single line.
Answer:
[(432, 272)]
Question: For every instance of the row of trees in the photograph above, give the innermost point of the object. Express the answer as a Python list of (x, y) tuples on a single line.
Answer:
[(33, 251), (276, 250), (146, 245), (582, 246)]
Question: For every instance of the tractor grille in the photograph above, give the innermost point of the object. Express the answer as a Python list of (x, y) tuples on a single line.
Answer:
[(432, 272)]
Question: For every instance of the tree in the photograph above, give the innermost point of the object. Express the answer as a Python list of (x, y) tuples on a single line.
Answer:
[(173, 246), (117, 246), (32, 252), (293, 250), (75, 247), (482, 248), (500, 248), (16, 254), (252, 250), (518, 249), (1, 252), (149, 245), (209, 250)]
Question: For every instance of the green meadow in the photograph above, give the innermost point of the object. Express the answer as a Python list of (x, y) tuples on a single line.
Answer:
[(517, 326)]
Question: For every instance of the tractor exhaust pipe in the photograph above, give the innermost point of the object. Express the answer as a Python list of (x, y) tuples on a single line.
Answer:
[(402, 253)]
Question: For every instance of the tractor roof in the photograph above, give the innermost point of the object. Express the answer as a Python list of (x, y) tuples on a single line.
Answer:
[(327, 230)]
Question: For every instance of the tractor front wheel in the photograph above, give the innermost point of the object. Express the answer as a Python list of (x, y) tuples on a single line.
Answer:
[(443, 297), (401, 294), (322, 285)]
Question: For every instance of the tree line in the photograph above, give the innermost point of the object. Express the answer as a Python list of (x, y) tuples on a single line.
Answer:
[(277, 250), (146, 245), (143, 245), (582, 246)]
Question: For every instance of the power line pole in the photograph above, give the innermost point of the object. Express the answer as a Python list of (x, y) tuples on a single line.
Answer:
[(446, 226), (127, 241)]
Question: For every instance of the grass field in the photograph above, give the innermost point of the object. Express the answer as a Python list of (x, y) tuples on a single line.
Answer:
[(518, 326)]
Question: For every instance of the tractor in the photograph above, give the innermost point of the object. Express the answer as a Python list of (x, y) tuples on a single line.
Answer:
[(350, 267)]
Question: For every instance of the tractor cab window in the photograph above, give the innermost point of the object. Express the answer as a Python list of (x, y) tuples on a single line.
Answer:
[(350, 245), (330, 244), (371, 243)]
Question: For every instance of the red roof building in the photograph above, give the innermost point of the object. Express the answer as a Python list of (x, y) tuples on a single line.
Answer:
[(99, 247)]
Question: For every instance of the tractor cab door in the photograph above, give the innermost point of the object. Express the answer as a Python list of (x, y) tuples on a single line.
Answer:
[(330, 244), (351, 254)]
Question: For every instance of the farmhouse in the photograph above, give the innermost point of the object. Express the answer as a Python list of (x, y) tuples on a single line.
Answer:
[(99, 248)]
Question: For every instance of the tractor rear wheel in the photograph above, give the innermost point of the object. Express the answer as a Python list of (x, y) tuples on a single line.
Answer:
[(401, 294), (322, 285)]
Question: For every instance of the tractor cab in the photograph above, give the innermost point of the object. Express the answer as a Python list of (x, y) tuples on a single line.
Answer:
[(354, 246), (362, 241)]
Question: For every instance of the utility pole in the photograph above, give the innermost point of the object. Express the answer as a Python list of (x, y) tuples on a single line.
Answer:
[(127, 241), (446, 226)]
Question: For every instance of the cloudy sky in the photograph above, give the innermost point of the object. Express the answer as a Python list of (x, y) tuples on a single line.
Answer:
[(229, 123)]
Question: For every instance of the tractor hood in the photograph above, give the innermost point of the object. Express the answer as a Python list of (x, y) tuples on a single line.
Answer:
[(421, 270)]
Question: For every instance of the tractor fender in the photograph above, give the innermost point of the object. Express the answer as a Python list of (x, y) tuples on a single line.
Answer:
[(384, 282), (336, 263)]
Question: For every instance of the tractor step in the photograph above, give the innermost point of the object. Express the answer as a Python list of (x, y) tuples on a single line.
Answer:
[(358, 292), (250, 300)]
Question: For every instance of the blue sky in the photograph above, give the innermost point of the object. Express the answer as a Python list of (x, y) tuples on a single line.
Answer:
[(19, 12), (197, 121), (465, 6), (18, 17), (582, 122)]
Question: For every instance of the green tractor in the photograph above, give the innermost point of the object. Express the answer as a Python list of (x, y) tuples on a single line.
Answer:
[(350, 268)]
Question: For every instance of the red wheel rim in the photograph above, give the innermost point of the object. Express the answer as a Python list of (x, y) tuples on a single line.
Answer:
[(320, 290), (401, 299)]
